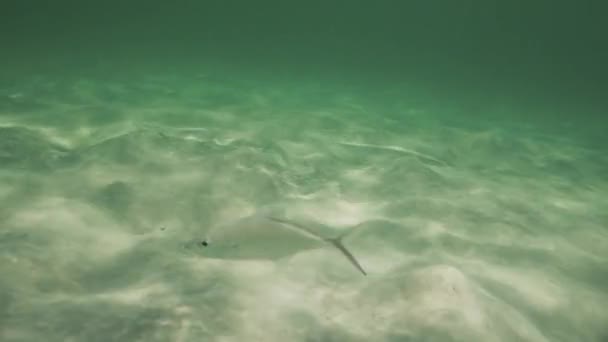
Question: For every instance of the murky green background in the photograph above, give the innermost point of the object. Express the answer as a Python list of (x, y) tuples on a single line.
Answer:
[(466, 139)]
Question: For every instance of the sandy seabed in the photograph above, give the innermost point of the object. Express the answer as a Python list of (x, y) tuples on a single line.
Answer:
[(469, 231)]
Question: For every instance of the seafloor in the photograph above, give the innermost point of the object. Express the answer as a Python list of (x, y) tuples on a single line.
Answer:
[(469, 229)]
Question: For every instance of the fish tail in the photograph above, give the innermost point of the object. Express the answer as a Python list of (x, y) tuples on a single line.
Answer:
[(337, 242)]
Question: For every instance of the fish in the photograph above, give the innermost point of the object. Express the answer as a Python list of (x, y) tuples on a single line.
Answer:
[(266, 235)]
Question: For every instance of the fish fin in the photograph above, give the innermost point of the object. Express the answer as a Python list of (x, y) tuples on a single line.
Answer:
[(337, 242), (297, 227), (352, 230)]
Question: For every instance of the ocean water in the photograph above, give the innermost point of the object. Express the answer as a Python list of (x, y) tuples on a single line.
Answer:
[(480, 199)]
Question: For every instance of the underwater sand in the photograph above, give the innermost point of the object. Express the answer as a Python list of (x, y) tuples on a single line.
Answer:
[(472, 230)]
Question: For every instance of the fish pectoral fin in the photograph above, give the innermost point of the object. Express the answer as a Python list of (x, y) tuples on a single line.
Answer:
[(337, 242)]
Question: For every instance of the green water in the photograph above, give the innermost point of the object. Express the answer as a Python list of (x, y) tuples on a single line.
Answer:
[(465, 141)]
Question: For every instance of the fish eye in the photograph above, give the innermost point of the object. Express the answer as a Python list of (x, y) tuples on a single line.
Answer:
[(204, 243)]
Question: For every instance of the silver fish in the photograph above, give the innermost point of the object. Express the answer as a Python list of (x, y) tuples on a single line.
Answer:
[(264, 235)]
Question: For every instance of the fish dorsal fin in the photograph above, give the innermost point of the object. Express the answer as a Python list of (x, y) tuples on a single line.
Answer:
[(300, 229), (336, 242)]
